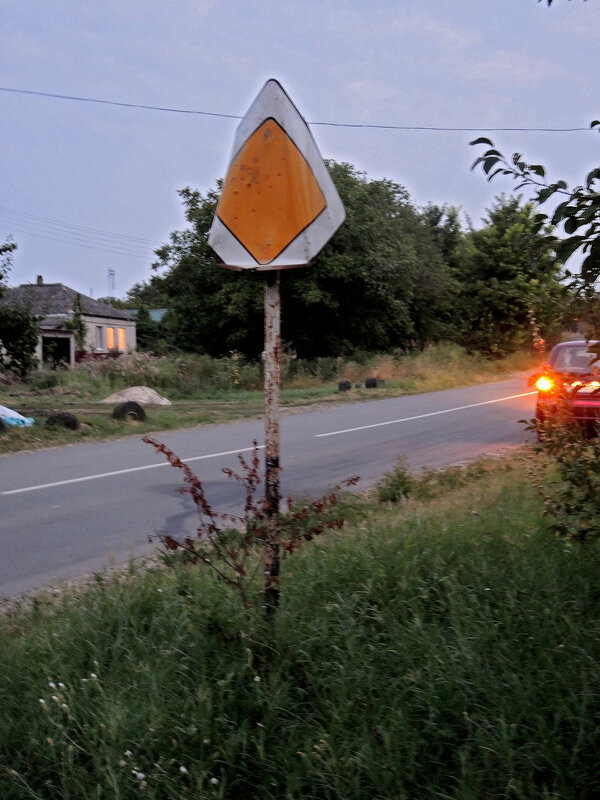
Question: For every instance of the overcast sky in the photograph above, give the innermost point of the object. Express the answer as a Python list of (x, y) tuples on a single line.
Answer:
[(88, 187)]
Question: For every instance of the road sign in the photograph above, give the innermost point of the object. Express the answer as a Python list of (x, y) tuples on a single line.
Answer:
[(279, 206)]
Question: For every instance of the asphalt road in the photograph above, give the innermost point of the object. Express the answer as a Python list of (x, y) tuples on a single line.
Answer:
[(71, 510)]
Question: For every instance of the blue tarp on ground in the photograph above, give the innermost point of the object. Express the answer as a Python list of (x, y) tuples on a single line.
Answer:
[(10, 417)]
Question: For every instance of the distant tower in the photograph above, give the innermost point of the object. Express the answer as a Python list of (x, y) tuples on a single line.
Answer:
[(111, 283)]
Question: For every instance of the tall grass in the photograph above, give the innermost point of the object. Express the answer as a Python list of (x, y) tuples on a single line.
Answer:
[(443, 650), (187, 376)]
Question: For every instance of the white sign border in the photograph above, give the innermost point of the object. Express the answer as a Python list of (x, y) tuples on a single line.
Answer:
[(272, 102)]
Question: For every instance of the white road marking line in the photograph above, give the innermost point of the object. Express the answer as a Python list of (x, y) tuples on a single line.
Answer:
[(125, 471), (422, 416)]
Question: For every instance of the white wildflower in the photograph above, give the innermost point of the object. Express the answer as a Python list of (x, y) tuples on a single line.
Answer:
[(214, 781), (183, 770)]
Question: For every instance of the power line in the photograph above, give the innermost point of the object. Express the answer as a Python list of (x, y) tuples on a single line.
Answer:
[(439, 128), (24, 217), (65, 239)]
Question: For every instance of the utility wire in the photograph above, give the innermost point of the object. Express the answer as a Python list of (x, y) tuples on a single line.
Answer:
[(24, 217), (328, 124), (24, 230)]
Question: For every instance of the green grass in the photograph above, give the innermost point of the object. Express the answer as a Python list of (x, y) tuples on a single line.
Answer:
[(205, 390), (439, 649)]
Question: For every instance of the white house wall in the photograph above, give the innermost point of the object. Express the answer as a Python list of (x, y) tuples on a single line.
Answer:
[(94, 324)]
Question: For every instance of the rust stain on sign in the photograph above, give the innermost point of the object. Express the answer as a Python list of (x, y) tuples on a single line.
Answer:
[(270, 194)]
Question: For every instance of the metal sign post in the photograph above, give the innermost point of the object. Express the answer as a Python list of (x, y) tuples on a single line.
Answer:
[(277, 210), (272, 369)]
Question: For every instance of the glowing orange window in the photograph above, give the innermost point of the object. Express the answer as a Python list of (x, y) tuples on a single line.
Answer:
[(121, 338), (110, 338)]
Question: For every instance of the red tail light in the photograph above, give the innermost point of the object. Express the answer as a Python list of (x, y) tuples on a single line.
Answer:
[(544, 384)]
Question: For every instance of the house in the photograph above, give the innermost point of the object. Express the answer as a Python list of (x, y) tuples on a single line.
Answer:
[(107, 329)]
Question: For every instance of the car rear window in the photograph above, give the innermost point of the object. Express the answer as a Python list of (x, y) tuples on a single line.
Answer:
[(572, 359)]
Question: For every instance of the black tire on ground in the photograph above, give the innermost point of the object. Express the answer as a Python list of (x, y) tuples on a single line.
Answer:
[(129, 411), (63, 419), (344, 386), (370, 383), (3, 427)]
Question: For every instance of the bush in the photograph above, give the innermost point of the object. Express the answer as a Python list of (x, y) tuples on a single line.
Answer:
[(572, 498), (45, 378), (19, 333)]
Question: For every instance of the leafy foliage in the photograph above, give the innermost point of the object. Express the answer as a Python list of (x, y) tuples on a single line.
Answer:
[(401, 484), (578, 209), (77, 324), (573, 498), (380, 283), (392, 277), (6, 250), (19, 329), (511, 271), (19, 332), (227, 543)]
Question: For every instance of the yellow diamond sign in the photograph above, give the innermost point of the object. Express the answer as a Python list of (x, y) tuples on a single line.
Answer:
[(279, 206), (270, 193)]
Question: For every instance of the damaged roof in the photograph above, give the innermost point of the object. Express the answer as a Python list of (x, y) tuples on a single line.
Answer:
[(56, 299)]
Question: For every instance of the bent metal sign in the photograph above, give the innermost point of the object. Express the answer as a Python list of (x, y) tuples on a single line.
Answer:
[(279, 206)]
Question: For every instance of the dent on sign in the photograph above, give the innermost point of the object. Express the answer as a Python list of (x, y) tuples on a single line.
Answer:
[(279, 206)]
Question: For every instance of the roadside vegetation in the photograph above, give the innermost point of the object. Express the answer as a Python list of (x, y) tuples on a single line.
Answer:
[(206, 390), (443, 645)]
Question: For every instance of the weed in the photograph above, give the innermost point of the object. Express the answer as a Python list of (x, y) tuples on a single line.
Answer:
[(226, 543), (400, 484), (572, 498)]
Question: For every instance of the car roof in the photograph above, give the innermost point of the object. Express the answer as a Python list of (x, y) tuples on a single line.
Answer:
[(578, 342)]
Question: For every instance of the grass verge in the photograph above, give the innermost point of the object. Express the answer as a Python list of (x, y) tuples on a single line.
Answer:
[(444, 649)]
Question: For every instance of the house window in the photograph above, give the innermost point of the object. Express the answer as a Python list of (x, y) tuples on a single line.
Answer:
[(99, 338), (110, 338), (121, 334)]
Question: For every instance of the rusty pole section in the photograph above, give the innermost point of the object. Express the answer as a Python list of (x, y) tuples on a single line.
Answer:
[(272, 368)]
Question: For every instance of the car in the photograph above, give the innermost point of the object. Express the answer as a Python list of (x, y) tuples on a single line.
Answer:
[(570, 380)]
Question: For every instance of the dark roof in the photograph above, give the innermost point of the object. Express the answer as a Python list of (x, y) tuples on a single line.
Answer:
[(47, 299)]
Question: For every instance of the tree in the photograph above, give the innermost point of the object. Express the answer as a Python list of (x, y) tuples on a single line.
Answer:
[(376, 285), (511, 274), (19, 333), (19, 329), (576, 210), (148, 332), (210, 309), (6, 250)]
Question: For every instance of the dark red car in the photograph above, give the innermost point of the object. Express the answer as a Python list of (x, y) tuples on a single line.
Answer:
[(570, 379)]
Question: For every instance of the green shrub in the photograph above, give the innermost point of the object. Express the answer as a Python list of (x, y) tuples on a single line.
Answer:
[(46, 378), (572, 497)]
